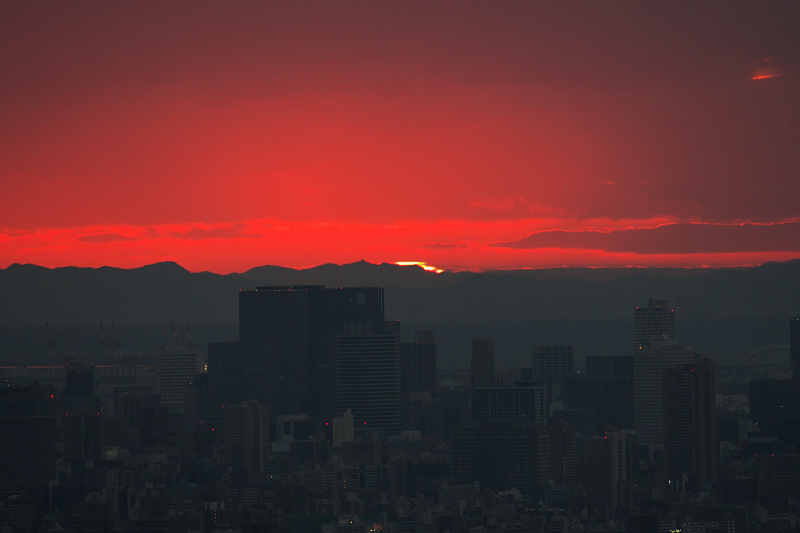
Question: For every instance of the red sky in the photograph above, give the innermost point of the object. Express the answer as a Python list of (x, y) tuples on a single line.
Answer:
[(469, 135)]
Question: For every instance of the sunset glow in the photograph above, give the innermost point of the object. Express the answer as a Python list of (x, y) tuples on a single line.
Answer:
[(421, 265), (262, 135)]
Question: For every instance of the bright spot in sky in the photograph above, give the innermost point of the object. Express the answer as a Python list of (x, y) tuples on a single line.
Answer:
[(420, 264), (768, 68)]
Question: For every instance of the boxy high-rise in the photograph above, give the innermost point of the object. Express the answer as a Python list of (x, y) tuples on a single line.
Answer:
[(306, 321)]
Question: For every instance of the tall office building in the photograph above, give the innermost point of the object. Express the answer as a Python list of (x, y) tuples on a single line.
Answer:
[(562, 453), (609, 366), (606, 389), (82, 442), (524, 402), (690, 436), (343, 429), (242, 371), (143, 418), (551, 365), (245, 435), (605, 467), (27, 435), (794, 339), (656, 322), (306, 320), (610, 399), (502, 456), (368, 374), (418, 363), (775, 407), (78, 394), (648, 372), (177, 366), (482, 363), (80, 378), (548, 361)]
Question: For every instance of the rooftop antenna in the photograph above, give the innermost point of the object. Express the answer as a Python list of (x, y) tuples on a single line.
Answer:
[(117, 349), (51, 353), (174, 334), (189, 342), (103, 338)]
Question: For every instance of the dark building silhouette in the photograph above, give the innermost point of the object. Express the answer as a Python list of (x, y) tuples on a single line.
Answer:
[(143, 419), (418, 363), (775, 407), (78, 394), (562, 453), (549, 361), (794, 340), (80, 378), (82, 437), (246, 436), (551, 365), (502, 456), (610, 398), (306, 320), (654, 322), (609, 366), (605, 468), (648, 392), (482, 367), (27, 435), (198, 401), (368, 374), (524, 402), (690, 441), (244, 371)]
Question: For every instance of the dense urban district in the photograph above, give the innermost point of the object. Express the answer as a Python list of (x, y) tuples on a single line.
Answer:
[(320, 419)]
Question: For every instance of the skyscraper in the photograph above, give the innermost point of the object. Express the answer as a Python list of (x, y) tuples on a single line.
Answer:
[(177, 366), (562, 453), (27, 434), (605, 468), (306, 320), (648, 371), (242, 371), (502, 456), (368, 374), (343, 429), (81, 433), (609, 366), (246, 439), (690, 438), (547, 361), (794, 339), (654, 322), (418, 363), (78, 394), (80, 378), (482, 363), (525, 402)]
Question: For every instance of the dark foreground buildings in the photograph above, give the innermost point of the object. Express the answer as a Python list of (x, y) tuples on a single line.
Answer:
[(690, 424), (320, 419)]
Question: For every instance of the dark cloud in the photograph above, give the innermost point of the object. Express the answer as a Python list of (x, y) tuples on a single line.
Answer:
[(672, 239), (443, 245), (105, 237), (232, 232)]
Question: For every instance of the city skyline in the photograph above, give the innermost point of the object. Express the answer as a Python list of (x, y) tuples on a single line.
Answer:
[(400, 266)]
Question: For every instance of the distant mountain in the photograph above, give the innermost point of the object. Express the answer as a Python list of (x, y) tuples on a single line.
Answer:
[(159, 293)]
